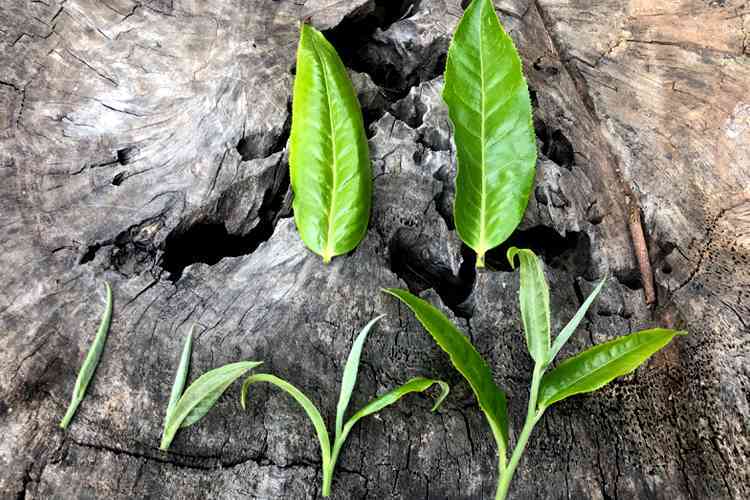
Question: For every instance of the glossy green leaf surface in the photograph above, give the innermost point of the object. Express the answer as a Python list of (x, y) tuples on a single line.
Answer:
[(181, 376), (568, 330), (329, 160), (466, 360), (489, 106), (533, 296), (91, 361), (201, 396), (349, 378), (596, 367)]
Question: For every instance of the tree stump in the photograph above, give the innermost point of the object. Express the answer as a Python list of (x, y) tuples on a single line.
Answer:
[(145, 143)]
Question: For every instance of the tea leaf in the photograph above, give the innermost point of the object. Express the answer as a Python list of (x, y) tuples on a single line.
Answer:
[(350, 374), (596, 367), (181, 375), (566, 332), (201, 396), (330, 455), (329, 159), (489, 106), (417, 384), (304, 401), (466, 360), (91, 361), (533, 296)]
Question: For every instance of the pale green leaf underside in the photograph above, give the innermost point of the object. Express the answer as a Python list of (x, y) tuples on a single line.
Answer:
[(596, 367), (91, 361), (466, 360), (329, 159), (489, 106), (201, 396), (349, 378), (533, 296)]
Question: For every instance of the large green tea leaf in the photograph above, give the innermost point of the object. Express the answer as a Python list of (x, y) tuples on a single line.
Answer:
[(596, 367), (489, 106), (90, 362), (533, 296), (329, 158), (201, 396), (467, 361)]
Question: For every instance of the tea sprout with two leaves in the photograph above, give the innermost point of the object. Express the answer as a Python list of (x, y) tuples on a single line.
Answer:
[(330, 453), (583, 373)]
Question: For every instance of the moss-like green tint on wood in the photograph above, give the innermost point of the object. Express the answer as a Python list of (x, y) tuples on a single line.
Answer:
[(201, 396), (489, 106), (467, 361), (533, 296), (91, 361), (330, 454), (596, 367), (329, 159)]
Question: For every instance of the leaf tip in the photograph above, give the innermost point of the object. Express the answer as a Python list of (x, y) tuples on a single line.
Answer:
[(511, 255)]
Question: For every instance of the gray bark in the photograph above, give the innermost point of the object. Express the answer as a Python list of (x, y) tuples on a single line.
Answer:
[(145, 143)]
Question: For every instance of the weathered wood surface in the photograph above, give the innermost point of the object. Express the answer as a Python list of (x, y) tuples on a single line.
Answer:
[(144, 143)]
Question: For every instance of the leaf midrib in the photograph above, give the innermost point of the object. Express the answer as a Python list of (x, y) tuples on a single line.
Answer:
[(483, 139), (327, 250)]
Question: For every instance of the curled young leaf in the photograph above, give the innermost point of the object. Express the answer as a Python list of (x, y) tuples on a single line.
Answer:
[(329, 159), (351, 369), (417, 384), (91, 361), (599, 365), (533, 296), (304, 402), (467, 361), (489, 106), (568, 330), (201, 396)]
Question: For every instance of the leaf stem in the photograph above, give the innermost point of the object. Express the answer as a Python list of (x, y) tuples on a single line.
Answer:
[(69, 414), (480, 260), (331, 466), (532, 417)]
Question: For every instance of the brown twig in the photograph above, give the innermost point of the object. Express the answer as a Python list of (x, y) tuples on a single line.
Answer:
[(635, 226)]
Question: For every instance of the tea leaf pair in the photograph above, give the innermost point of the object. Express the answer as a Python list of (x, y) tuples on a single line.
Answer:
[(91, 361), (330, 454), (187, 408), (489, 106), (583, 373)]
